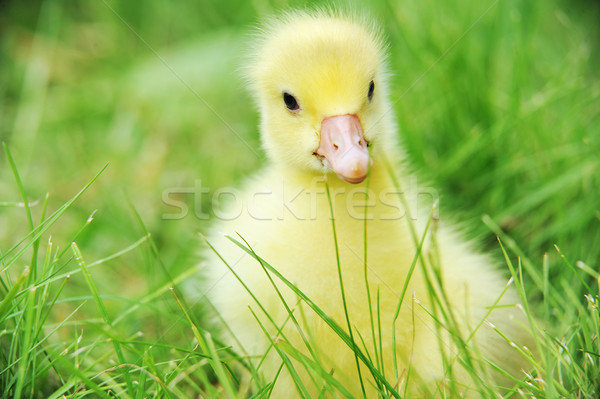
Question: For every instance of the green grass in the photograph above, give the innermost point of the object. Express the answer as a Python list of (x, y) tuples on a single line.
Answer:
[(498, 103)]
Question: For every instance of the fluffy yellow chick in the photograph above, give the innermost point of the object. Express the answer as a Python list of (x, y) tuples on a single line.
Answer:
[(327, 126)]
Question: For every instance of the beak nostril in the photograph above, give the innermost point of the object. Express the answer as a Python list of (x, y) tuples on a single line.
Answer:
[(335, 147)]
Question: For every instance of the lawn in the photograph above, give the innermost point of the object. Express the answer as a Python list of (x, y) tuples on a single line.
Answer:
[(120, 121)]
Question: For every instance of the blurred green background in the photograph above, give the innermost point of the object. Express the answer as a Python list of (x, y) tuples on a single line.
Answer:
[(498, 104)]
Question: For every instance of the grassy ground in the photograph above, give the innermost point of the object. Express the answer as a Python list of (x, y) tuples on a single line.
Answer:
[(499, 104)]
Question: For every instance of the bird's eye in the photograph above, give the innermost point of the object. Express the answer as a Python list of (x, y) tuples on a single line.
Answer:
[(290, 102), (371, 89)]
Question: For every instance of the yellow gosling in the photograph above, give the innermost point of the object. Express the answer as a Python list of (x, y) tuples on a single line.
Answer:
[(319, 80)]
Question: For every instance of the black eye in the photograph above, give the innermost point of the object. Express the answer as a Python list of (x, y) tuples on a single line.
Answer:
[(371, 89), (290, 102)]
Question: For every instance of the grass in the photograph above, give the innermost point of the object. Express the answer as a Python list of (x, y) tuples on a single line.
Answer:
[(498, 103)]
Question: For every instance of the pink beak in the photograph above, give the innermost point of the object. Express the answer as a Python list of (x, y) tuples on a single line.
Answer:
[(343, 147)]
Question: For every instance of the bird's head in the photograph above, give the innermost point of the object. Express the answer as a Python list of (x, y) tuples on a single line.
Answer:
[(320, 84)]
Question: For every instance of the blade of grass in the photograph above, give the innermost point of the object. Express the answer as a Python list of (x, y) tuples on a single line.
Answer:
[(366, 275), (34, 235), (286, 360), (573, 269), (518, 279), (532, 271), (26, 343), (41, 342), (289, 311), (207, 346), (92, 264), (342, 291), (74, 372), (17, 177), (329, 321), (14, 290), (76, 236), (407, 280), (255, 299), (103, 312)]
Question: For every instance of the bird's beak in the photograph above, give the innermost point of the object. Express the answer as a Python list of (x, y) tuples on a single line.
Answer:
[(343, 147)]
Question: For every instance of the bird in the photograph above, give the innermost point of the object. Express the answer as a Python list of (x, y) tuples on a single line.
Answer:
[(330, 267)]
